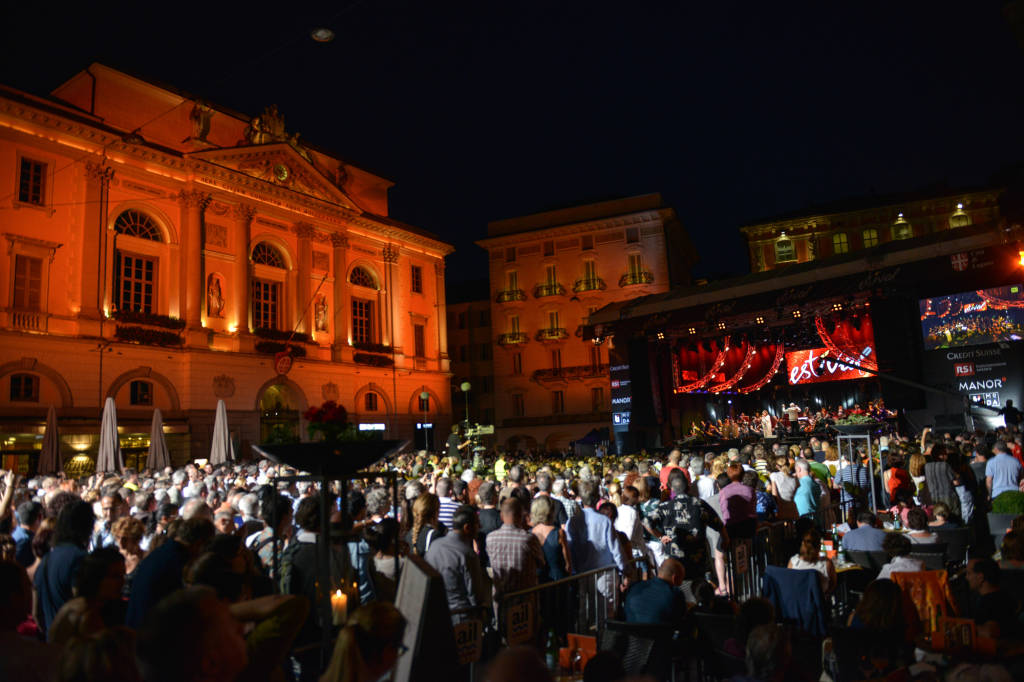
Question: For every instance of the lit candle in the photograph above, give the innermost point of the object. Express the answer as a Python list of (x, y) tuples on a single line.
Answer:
[(339, 607)]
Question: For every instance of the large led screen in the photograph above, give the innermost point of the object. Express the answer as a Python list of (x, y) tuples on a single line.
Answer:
[(973, 318), (809, 367)]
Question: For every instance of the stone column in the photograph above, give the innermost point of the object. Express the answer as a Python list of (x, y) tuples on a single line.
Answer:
[(339, 245), (194, 203), (442, 318), (390, 254), (243, 215), (303, 311), (94, 238)]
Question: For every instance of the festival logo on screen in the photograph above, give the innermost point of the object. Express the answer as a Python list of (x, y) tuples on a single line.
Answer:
[(809, 367)]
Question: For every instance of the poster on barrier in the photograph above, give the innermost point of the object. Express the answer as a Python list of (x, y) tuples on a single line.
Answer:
[(469, 641), (520, 622), (742, 551)]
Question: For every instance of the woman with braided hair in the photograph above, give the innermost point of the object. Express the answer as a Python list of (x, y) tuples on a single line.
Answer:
[(425, 526)]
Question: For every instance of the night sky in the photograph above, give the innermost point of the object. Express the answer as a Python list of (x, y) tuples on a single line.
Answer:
[(478, 110)]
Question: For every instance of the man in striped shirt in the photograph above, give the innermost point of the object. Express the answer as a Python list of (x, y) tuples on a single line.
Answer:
[(448, 505), (855, 474)]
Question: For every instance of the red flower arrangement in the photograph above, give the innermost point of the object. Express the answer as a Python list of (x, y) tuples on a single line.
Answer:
[(329, 419)]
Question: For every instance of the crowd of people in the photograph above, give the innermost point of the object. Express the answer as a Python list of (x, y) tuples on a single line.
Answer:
[(211, 573), (792, 420)]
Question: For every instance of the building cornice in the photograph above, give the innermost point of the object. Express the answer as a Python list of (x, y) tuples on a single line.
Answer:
[(637, 219)]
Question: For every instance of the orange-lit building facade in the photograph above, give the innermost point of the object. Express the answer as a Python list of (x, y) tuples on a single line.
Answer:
[(161, 250), (849, 227), (548, 272)]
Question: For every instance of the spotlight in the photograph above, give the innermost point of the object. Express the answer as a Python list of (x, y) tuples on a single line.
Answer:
[(322, 34), (836, 307), (693, 330), (661, 336), (759, 320), (797, 314), (721, 326)]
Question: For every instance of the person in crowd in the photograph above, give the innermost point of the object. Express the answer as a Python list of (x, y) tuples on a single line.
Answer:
[(943, 519), (25, 659), (659, 599), (994, 611), (454, 558), (545, 485), (490, 518), (1011, 553), (632, 572), (752, 613), (516, 554), (1003, 472), (917, 522), (368, 646), (673, 463), (571, 506), (54, 579), (276, 514), (162, 572), (881, 610), (446, 503), (765, 505), (783, 489), (591, 534), (30, 517), (940, 479), (128, 533), (898, 547), (769, 656), (628, 522), (853, 483), (112, 509), (738, 503), (915, 467), (157, 532), (191, 636), (866, 537), (552, 538), (810, 558), (97, 604), (425, 524), (42, 543), (387, 561), (808, 492)]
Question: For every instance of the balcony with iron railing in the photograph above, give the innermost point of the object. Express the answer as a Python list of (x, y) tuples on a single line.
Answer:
[(591, 284), (510, 295), (552, 334), (548, 289), (574, 373), (513, 339), (639, 277)]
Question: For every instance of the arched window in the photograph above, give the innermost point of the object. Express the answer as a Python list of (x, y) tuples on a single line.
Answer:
[(265, 254), (840, 243), (360, 277), (137, 224), (785, 251)]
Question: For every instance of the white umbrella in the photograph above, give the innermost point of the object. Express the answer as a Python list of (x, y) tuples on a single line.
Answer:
[(221, 450), (109, 457), (158, 458), (49, 457)]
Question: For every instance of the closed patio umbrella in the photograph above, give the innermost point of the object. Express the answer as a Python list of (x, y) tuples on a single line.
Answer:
[(109, 457), (221, 449), (49, 458), (158, 457)]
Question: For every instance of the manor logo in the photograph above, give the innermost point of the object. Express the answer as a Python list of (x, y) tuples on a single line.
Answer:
[(986, 384)]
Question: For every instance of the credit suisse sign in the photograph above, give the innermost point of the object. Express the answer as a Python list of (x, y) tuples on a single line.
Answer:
[(806, 367)]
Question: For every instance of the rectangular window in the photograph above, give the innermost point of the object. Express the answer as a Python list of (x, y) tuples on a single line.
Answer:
[(557, 402), (551, 274), (485, 384), (462, 320), (587, 242), (589, 270), (512, 280), (141, 393), (596, 399), (556, 358), (870, 238), (840, 243), (24, 388), (549, 248), (416, 279), (517, 363), (632, 235), (485, 318), (513, 324), (135, 283), (595, 356), (370, 402), (362, 321), (518, 405), (553, 320), (636, 263), (462, 353), (28, 282), (419, 339), (32, 182), (510, 254), (485, 351)]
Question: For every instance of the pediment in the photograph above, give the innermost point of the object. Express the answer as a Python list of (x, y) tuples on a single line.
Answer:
[(281, 165)]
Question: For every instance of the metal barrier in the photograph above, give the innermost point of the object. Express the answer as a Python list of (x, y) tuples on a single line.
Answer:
[(745, 563), (579, 604)]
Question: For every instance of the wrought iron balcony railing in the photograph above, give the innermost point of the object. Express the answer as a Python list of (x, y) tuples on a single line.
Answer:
[(576, 372), (549, 289), (553, 334), (510, 295), (512, 339), (640, 277), (592, 284)]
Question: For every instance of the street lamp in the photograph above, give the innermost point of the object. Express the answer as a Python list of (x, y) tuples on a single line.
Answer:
[(425, 403), (466, 386)]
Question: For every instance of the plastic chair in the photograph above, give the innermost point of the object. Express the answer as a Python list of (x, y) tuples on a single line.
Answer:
[(958, 543), (933, 555)]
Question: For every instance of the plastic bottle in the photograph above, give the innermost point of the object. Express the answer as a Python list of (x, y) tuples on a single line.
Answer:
[(551, 651)]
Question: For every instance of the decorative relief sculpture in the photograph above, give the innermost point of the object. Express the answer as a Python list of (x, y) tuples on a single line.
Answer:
[(216, 235), (321, 261), (223, 386), (330, 391)]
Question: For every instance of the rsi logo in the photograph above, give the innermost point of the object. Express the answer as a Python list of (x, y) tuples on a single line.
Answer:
[(963, 369)]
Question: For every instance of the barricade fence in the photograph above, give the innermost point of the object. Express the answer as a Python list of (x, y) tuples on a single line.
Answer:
[(745, 563)]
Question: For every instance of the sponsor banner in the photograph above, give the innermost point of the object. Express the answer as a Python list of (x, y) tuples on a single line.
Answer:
[(807, 367), (988, 374)]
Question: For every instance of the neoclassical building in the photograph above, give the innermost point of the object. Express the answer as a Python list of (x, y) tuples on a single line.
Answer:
[(170, 253)]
